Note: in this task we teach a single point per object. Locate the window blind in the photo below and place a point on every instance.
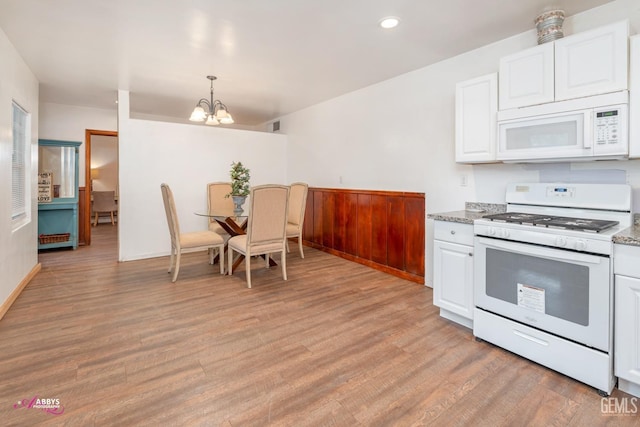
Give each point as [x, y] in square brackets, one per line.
[19, 163]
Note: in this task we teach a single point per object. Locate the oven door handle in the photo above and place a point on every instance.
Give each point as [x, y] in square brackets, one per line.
[556, 254]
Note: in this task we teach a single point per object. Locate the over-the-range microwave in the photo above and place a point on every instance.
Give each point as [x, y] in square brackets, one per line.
[591, 128]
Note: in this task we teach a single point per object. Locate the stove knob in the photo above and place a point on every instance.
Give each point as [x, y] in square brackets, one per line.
[505, 233]
[492, 231]
[581, 245]
[561, 241]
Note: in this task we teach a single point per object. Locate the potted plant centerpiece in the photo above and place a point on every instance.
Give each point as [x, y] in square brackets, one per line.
[239, 186]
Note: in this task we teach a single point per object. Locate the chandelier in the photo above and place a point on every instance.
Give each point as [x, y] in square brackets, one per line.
[214, 112]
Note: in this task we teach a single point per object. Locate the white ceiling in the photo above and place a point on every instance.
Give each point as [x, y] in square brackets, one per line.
[271, 57]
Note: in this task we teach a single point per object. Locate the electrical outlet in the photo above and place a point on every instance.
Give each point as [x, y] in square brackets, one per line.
[464, 180]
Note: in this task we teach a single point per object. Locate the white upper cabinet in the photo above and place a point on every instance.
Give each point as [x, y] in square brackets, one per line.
[526, 78]
[584, 64]
[634, 97]
[592, 62]
[476, 108]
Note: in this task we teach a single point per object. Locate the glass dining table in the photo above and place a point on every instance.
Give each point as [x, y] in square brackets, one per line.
[234, 226]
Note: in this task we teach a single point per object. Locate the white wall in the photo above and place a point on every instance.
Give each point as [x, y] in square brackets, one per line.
[186, 157]
[69, 122]
[399, 134]
[18, 248]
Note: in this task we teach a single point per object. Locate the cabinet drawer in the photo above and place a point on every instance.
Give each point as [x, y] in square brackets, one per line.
[453, 232]
[625, 260]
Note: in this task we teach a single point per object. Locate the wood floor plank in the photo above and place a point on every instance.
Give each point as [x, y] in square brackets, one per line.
[338, 344]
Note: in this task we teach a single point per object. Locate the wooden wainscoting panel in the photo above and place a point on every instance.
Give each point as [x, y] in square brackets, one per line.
[382, 229]
[379, 228]
[395, 232]
[414, 213]
[317, 218]
[351, 223]
[328, 218]
[307, 226]
[340, 224]
[363, 234]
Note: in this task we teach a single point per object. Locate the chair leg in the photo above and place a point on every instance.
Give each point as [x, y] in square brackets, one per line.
[300, 245]
[220, 258]
[112, 221]
[95, 221]
[287, 242]
[266, 258]
[175, 272]
[230, 258]
[283, 261]
[247, 265]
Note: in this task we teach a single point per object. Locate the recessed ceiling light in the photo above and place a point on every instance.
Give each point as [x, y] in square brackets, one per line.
[389, 22]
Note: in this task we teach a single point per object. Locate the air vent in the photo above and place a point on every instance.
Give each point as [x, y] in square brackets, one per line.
[275, 126]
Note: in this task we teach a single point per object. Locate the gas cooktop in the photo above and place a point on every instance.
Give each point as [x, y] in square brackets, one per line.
[561, 222]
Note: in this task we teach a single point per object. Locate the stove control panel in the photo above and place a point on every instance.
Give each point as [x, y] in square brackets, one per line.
[562, 192]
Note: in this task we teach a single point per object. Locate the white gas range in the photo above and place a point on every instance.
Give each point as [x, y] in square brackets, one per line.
[543, 279]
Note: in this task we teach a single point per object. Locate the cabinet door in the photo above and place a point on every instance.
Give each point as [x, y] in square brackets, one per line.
[592, 62]
[627, 328]
[526, 78]
[453, 277]
[634, 96]
[476, 108]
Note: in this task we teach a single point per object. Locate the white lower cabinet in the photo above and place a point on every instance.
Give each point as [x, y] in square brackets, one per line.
[453, 271]
[627, 318]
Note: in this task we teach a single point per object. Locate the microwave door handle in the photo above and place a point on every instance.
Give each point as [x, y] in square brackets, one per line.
[587, 130]
[542, 252]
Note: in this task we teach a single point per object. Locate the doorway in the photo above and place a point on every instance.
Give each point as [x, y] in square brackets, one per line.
[101, 171]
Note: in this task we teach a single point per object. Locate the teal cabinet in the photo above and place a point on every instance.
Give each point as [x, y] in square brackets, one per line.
[58, 204]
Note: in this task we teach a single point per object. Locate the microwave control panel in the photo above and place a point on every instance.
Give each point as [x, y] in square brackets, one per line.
[607, 126]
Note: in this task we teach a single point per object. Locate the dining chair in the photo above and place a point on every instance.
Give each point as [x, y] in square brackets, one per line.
[266, 228]
[295, 218]
[219, 204]
[196, 240]
[104, 202]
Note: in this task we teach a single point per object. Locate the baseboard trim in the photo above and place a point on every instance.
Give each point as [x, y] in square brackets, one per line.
[18, 290]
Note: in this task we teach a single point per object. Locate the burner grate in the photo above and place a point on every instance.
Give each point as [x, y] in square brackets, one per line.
[562, 222]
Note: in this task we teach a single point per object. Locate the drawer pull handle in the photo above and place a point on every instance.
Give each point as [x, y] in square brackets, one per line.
[453, 231]
[470, 253]
[530, 338]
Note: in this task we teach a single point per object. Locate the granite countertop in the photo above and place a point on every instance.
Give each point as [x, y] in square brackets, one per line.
[472, 212]
[465, 217]
[629, 236]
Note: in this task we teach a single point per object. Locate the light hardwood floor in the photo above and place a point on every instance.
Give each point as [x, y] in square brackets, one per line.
[338, 344]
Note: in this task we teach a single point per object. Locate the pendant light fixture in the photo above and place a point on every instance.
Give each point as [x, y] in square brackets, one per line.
[211, 112]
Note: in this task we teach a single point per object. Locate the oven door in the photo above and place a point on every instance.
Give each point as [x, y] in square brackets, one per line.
[562, 292]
